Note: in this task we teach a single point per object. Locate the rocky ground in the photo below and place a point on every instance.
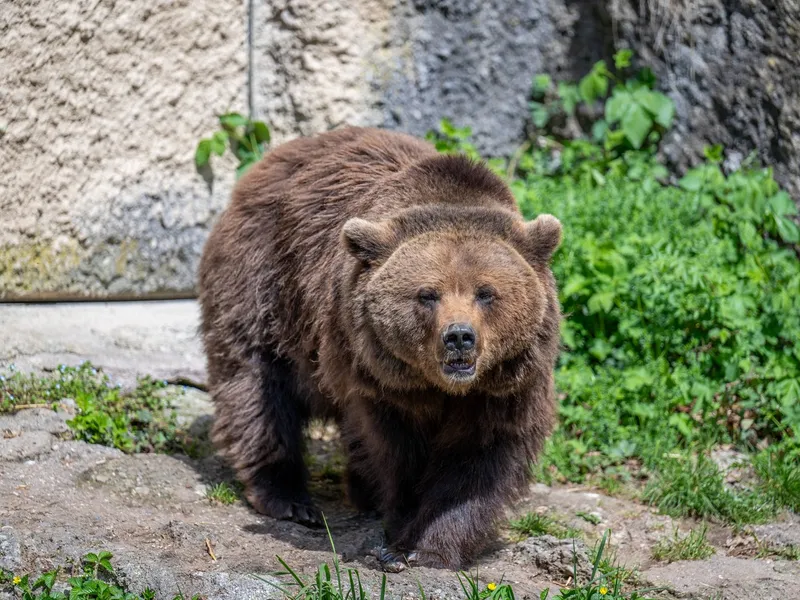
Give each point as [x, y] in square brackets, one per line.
[60, 499]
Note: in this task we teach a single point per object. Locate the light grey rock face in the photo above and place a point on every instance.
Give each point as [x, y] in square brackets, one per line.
[406, 64]
[102, 104]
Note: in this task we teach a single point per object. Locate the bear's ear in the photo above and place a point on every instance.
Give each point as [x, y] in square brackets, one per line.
[542, 238]
[368, 241]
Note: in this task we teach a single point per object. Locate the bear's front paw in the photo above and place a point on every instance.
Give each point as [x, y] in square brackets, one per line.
[304, 513]
[394, 561]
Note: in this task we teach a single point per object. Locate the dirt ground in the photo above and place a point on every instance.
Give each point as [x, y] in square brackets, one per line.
[60, 499]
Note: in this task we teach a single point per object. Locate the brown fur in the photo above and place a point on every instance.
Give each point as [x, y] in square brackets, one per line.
[309, 290]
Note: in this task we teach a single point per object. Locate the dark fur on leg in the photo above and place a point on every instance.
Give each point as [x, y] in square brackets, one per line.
[259, 427]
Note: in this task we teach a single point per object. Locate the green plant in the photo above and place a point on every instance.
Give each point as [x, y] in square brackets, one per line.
[222, 493]
[692, 546]
[323, 586]
[606, 582]
[135, 420]
[533, 524]
[246, 138]
[682, 303]
[614, 123]
[449, 139]
[588, 517]
[474, 591]
[87, 586]
[778, 471]
[687, 485]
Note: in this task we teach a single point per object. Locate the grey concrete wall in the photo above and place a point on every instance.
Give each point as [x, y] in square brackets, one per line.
[102, 104]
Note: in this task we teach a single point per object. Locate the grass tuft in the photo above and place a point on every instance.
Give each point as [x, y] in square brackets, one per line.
[693, 546]
[223, 493]
[534, 524]
[693, 486]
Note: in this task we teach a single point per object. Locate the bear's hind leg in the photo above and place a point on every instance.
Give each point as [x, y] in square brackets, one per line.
[259, 426]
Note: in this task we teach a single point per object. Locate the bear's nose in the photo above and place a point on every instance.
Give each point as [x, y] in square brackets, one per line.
[459, 336]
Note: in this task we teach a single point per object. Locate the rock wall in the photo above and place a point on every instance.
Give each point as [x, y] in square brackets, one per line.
[101, 105]
[733, 69]
[405, 64]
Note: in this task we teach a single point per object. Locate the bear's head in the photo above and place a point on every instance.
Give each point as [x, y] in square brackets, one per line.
[456, 297]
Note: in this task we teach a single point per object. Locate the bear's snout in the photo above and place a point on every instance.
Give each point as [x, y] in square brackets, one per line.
[459, 337]
[459, 341]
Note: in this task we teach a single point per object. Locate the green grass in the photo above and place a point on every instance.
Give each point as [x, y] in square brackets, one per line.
[607, 581]
[533, 524]
[140, 419]
[692, 486]
[682, 302]
[693, 546]
[222, 493]
[790, 552]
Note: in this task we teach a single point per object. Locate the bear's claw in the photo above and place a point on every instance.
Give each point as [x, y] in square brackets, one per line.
[394, 561]
[286, 510]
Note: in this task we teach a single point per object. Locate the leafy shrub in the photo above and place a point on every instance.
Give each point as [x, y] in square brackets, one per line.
[603, 125]
[97, 581]
[682, 303]
[246, 138]
[135, 420]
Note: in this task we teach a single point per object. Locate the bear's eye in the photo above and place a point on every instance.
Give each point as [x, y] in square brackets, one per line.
[485, 295]
[427, 297]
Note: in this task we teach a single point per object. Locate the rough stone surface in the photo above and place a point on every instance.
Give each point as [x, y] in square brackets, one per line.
[124, 338]
[101, 106]
[60, 498]
[405, 64]
[731, 67]
[731, 578]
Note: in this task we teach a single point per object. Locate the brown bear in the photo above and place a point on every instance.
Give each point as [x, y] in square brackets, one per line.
[361, 275]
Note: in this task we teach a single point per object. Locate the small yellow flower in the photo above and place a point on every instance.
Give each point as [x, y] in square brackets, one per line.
[491, 587]
[603, 591]
[17, 580]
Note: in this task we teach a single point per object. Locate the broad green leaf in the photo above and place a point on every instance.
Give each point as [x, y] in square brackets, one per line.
[788, 230]
[622, 58]
[218, 141]
[619, 104]
[601, 302]
[636, 124]
[713, 153]
[541, 84]
[595, 84]
[574, 284]
[782, 204]
[202, 153]
[599, 130]
[232, 120]
[660, 107]
[570, 96]
[261, 132]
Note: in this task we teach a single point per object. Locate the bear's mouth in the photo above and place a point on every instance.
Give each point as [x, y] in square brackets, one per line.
[459, 368]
